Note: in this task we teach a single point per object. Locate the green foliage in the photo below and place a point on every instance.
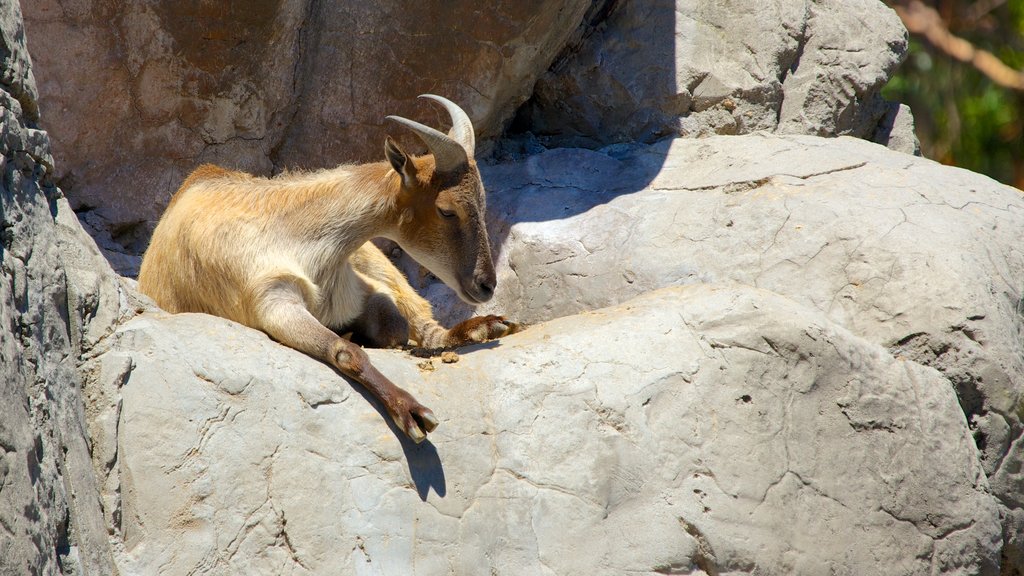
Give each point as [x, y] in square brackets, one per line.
[962, 117]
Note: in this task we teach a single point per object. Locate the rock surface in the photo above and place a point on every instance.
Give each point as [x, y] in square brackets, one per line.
[692, 430]
[661, 67]
[836, 387]
[52, 308]
[919, 258]
[145, 91]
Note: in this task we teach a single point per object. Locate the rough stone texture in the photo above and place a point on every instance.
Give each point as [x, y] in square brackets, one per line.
[50, 516]
[664, 67]
[896, 130]
[146, 90]
[811, 421]
[920, 258]
[697, 430]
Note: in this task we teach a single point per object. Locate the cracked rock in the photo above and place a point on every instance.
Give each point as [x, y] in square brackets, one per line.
[608, 442]
[920, 258]
[58, 298]
[143, 92]
[663, 68]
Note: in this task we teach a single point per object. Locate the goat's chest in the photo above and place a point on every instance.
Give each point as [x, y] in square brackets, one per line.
[342, 296]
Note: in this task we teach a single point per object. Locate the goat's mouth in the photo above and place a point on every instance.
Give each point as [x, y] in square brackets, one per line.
[473, 293]
[470, 298]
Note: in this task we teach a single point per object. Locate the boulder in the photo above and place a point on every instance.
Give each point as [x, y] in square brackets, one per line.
[661, 67]
[700, 429]
[919, 258]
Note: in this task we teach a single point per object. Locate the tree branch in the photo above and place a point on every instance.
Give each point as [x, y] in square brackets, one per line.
[925, 21]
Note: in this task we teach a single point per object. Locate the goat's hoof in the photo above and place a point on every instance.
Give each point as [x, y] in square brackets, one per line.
[482, 329]
[418, 422]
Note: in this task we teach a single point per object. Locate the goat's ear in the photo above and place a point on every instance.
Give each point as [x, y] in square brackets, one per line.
[400, 161]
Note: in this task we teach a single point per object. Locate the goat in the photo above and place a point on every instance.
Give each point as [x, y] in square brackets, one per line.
[290, 256]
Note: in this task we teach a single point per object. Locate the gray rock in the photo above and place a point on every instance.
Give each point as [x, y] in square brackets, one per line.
[662, 67]
[695, 429]
[917, 257]
[50, 515]
[789, 426]
[848, 51]
[896, 130]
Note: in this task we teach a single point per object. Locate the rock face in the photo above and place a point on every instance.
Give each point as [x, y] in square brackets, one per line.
[769, 353]
[52, 308]
[692, 430]
[919, 258]
[145, 91]
[661, 67]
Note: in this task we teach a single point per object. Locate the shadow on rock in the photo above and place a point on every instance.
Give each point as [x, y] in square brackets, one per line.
[424, 462]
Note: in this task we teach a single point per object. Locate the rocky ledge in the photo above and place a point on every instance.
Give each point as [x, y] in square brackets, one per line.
[769, 353]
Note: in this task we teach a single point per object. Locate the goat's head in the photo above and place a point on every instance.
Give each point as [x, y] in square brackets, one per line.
[441, 206]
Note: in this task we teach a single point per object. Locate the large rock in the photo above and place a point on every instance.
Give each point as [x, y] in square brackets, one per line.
[666, 67]
[920, 258]
[50, 515]
[790, 427]
[692, 430]
[145, 91]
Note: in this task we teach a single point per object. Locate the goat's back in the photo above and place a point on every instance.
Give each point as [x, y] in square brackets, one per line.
[201, 248]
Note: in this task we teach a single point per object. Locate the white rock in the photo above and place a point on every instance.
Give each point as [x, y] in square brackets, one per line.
[694, 428]
[665, 67]
[915, 256]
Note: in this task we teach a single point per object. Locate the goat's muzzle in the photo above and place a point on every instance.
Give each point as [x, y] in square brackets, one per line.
[481, 288]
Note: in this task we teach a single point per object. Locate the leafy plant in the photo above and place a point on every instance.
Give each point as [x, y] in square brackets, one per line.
[963, 115]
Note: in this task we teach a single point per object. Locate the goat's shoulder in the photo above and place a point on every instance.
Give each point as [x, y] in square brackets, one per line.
[206, 173]
[211, 172]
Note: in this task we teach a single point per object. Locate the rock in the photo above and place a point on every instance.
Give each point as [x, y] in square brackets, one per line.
[896, 130]
[848, 51]
[145, 91]
[701, 429]
[842, 390]
[660, 67]
[919, 258]
[50, 516]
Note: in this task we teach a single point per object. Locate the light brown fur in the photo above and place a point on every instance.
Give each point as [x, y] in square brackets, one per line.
[290, 256]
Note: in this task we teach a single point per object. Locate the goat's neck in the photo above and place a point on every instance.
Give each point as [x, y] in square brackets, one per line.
[344, 208]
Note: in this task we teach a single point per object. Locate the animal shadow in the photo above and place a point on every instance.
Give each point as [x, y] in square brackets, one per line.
[423, 460]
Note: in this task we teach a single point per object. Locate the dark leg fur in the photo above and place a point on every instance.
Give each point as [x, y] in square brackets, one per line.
[381, 325]
[481, 329]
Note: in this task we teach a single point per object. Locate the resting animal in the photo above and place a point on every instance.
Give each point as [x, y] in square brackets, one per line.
[290, 256]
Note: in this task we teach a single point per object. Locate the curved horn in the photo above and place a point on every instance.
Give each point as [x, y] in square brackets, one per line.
[449, 155]
[462, 128]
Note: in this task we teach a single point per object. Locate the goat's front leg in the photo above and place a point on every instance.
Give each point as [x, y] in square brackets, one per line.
[480, 329]
[382, 325]
[281, 312]
[428, 333]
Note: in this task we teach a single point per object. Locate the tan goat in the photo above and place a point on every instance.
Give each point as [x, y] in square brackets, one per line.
[289, 255]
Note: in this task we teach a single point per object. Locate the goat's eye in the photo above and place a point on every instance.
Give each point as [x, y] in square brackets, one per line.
[446, 213]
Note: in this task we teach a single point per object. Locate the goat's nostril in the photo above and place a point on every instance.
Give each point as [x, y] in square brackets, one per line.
[486, 288]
